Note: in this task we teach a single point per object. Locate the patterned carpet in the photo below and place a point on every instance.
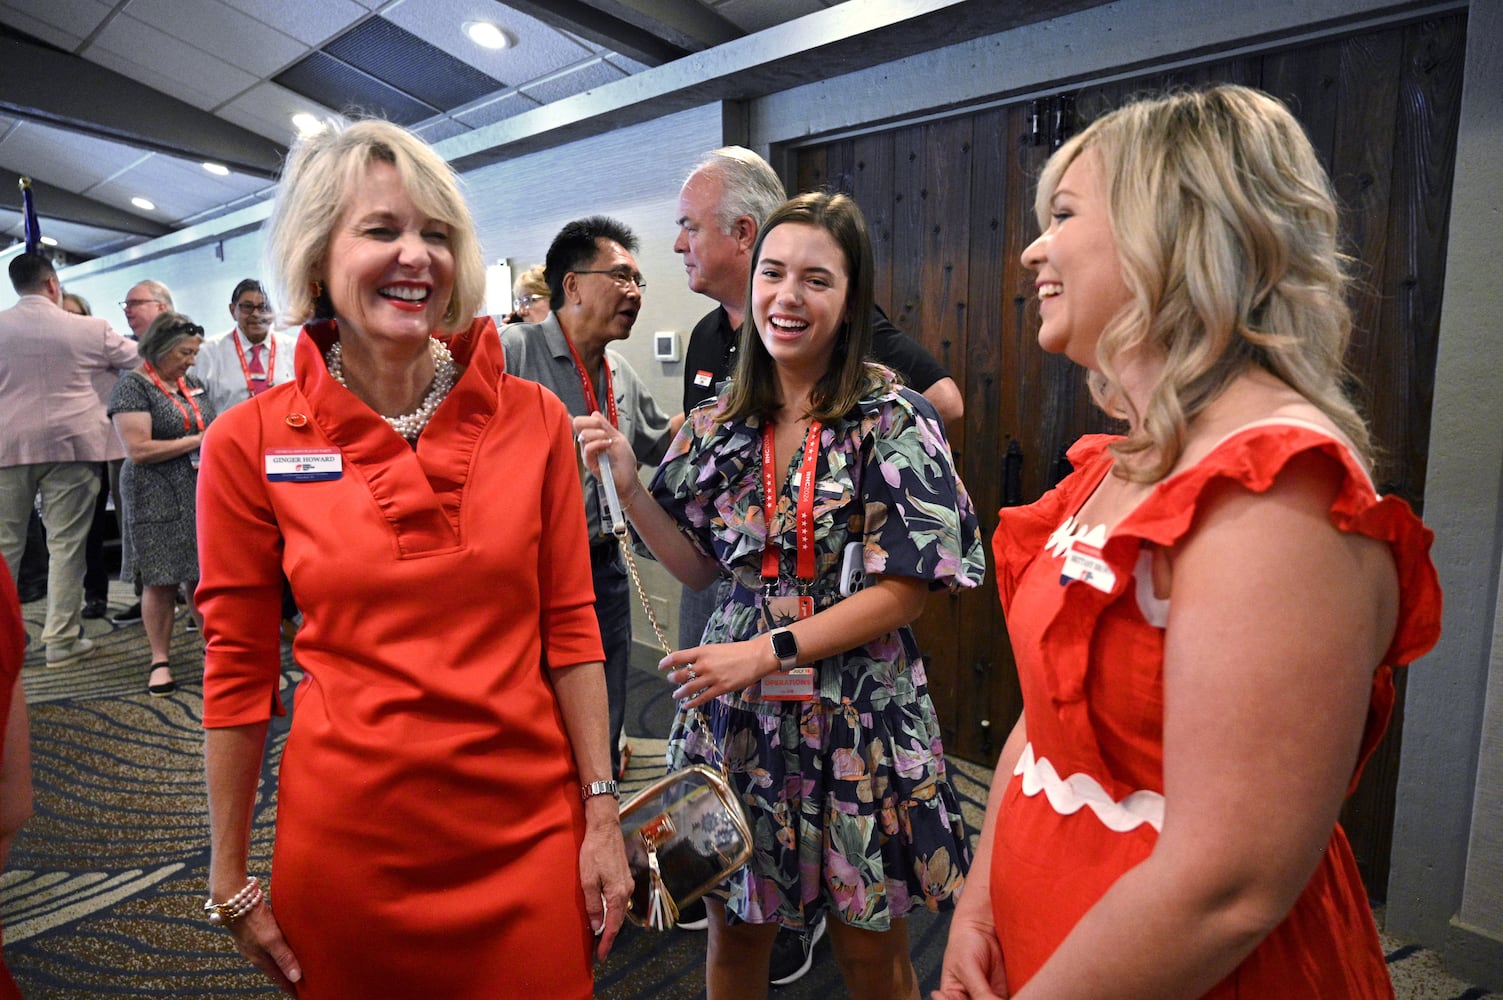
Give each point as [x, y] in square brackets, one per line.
[104, 887]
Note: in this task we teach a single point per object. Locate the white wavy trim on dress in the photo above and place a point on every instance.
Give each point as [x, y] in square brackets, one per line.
[1067, 796]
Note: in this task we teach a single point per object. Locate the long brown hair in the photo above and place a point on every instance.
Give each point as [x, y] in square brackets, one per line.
[754, 386]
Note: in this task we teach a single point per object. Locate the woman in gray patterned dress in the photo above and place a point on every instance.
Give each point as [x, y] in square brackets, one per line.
[160, 413]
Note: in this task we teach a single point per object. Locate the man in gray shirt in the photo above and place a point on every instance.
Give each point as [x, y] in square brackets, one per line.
[595, 290]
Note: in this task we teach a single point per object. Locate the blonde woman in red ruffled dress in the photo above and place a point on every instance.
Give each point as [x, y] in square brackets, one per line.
[1207, 612]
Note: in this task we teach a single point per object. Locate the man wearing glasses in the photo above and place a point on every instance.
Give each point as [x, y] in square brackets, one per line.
[250, 357]
[595, 290]
[145, 301]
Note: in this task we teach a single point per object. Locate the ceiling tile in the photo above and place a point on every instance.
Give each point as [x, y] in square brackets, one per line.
[140, 51]
[409, 64]
[64, 23]
[267, 109]
[324, 79]
[501, 108]
[68, 160]
[539, 48]
[234, 38]
[594, 73]
[312, 24]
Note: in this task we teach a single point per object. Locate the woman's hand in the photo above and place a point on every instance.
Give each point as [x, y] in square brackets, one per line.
[972, 968]
[596, 435]
[603, 873]
[259, 938]
[704, 673]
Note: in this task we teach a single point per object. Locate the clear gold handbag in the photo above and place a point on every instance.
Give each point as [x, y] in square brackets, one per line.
[686, 832]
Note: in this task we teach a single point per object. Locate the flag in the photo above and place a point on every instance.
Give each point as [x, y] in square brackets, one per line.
[29, 218]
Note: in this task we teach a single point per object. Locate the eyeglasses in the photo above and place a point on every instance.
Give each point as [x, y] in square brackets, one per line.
[251, 308]
[622, 276]
[527, 300]
[138, 303]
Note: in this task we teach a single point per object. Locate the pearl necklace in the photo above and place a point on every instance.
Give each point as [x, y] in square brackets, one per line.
[408, 425]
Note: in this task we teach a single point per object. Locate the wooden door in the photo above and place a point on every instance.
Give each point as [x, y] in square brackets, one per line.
[949, 204]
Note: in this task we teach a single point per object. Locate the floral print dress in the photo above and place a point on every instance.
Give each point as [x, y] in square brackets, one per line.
[848, 798]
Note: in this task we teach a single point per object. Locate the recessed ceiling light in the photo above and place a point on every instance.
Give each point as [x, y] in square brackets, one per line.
[49, 241]
[307, 124]
[217, 169]
[486, 34]
[143, 204]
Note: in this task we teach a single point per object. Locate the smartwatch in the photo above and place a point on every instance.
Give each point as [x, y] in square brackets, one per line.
[785, 648]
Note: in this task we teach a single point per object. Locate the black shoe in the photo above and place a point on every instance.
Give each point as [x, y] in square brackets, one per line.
[95, 607]
[163, 689]
[190, 624]
[129, 616]
[694, 917]
[793, 954]
[26, 594]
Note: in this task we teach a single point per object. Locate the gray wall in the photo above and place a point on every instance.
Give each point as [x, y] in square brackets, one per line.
[1446, 889]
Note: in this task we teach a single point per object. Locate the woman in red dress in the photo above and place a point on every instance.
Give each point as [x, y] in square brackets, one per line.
[445, 822]
[1206, 613]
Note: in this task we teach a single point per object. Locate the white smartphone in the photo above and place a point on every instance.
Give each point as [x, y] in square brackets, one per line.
[612, 499]
[852, 568]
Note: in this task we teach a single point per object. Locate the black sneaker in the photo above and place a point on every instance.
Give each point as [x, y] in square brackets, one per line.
[95, 607]
[129, 616]
[793, 953]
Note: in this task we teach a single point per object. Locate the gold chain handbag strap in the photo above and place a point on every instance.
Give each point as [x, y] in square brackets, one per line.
[623, 538]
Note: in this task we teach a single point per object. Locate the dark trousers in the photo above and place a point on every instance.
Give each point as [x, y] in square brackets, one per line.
[613, 614]
[31, 575]
[96, 581]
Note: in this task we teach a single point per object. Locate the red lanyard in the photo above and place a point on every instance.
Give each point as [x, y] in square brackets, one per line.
[804, 510]
[268, 369]
[183, 388]
[589, 390]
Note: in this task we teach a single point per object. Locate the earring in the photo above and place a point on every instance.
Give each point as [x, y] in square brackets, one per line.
[317, 288]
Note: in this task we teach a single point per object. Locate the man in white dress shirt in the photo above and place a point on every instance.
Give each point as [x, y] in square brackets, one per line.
[248, 359]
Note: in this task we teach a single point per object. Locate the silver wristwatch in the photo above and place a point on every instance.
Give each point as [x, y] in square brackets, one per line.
[595, 788]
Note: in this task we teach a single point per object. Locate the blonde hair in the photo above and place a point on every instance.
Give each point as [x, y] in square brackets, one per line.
[530, 282]
[321, 172]
[1226, 229]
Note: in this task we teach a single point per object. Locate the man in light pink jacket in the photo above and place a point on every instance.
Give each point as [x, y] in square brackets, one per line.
[56, 433]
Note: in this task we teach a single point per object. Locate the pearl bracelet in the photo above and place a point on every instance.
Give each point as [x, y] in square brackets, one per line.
[237, 906]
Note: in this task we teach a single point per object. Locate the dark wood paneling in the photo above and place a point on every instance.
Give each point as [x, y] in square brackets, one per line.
[950, 204]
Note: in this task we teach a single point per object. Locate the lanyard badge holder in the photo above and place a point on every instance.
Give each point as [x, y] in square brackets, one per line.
[790, 683]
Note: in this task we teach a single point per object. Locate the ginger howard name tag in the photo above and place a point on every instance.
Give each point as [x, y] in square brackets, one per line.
[1083, 562]
[303, 465]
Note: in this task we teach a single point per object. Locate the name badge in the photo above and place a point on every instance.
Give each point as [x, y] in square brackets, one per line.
[1083, 562]
[703, 378]
[303, 465]
[796, 685]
